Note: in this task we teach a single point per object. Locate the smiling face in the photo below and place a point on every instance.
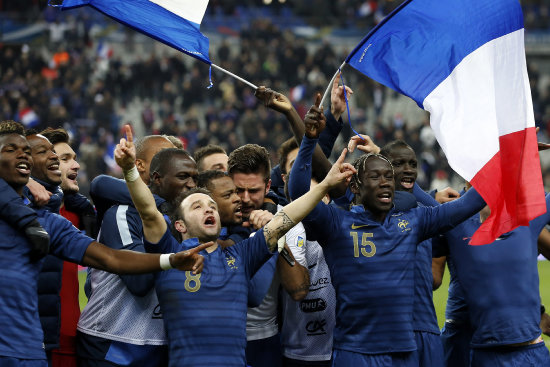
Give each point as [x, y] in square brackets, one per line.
[200, 218]
[377, 187]
[224, 192]
[46, 162]
[69, 167]
[405, 167]
[15, 161]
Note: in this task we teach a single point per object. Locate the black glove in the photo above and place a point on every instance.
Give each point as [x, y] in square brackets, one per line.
[40, 240]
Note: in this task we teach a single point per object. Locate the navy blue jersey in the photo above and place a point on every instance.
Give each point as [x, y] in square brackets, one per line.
[21, 334]
[424, 316]
[205, 314]
[500, 281]
[372, 263]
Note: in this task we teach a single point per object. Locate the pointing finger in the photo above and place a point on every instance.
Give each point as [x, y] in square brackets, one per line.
[129, 135]
[317, 99]
[342, 156]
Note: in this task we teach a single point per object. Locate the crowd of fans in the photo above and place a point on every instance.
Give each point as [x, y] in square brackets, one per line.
[72, 78]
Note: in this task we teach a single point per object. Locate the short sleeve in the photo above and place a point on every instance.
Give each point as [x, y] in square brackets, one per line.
[296, 241]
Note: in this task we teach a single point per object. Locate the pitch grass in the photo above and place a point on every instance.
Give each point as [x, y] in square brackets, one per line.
[440, 296]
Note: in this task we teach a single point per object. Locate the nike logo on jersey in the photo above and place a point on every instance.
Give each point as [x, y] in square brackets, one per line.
[354, 226]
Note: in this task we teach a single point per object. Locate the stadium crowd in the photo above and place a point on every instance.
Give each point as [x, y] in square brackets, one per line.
[232, 240]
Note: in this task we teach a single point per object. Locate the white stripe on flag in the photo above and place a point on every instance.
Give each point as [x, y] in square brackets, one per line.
[486, 96]
[192, 10]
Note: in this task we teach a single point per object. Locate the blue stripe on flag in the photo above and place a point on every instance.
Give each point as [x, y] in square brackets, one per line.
[155, 21]
[419, 44]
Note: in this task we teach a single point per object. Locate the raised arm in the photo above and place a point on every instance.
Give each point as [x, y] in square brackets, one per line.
[334, 121]
[154, 225]
[294, 212]
[281, 103]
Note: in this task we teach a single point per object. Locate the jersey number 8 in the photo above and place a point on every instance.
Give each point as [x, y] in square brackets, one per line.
[192, 282]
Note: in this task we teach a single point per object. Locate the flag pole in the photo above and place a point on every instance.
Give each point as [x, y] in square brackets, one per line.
[234, 76]
[329, 88]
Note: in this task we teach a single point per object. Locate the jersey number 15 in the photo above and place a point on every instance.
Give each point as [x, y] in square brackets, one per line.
[367, 249]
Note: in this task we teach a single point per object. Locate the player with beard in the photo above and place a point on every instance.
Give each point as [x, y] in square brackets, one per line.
[206, 314]
[78, 209]
[21, 340]
[122, 325]
[370, 251]
[249, 167]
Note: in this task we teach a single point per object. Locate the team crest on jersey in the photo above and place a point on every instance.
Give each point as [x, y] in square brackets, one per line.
[300, 241]
[231, 262]
[403, 225]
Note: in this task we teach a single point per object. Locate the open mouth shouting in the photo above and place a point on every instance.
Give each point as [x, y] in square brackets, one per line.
[385, 197]
[407, 183]
[210, 221]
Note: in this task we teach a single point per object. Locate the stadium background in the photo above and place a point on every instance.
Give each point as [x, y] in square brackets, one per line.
[80, 70]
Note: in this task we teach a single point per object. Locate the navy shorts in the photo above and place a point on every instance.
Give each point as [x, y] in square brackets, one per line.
[429, 349]
[535, 355]
[456, 340]
[344, 358]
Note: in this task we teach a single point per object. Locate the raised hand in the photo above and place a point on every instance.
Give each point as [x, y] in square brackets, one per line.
[340, 172]
[190, 260]
[258, 219]
[275, 101]
[446, 195]
[337, 98]
[315, 120]
[364, 143]
[125, 151]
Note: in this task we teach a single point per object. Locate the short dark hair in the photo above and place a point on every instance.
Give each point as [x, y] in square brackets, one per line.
[204, 152]
[250, 158]
[11, 127]
[56, 136]
[205, 178]
[175, 213]
[388, 148]
[283, 151]
[163, 159]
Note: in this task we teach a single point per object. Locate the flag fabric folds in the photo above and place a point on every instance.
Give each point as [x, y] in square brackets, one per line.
[464, 62]
[172, 22]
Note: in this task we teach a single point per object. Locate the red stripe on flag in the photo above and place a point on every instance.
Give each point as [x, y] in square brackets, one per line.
[511, 184]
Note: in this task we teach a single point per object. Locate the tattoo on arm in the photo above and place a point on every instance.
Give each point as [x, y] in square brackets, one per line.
[276, 228]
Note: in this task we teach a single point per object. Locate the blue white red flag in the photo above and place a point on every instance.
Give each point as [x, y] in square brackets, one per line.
[172, 22]
[464, 62]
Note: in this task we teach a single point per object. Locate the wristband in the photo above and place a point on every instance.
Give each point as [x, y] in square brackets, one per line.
[165, 261]
[131, 175]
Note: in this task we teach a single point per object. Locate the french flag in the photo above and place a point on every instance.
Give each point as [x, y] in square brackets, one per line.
[175, 23]
[464, 62]
[104, 50]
